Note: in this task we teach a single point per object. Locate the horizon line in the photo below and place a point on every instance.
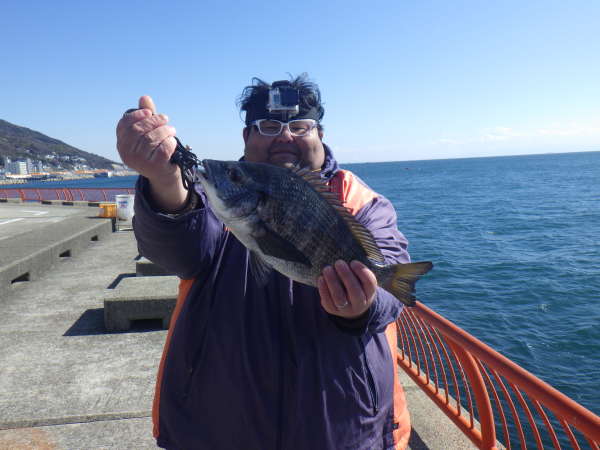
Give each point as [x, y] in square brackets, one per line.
[471, 157]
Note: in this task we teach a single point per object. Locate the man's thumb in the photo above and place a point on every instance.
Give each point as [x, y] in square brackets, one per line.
[147, 103]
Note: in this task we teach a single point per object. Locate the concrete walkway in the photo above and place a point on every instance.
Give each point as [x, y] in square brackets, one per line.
[65, 383]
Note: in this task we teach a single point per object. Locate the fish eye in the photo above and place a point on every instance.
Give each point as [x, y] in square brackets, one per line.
[234, 175]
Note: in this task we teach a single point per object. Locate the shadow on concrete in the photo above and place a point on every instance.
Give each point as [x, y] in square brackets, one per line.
[91, 322]
[415, 442]
[117, 280]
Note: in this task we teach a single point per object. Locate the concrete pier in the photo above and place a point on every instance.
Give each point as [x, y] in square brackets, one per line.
[140, 298]
[68, 383]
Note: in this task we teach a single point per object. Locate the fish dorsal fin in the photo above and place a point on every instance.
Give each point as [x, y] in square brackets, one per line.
[359, 231]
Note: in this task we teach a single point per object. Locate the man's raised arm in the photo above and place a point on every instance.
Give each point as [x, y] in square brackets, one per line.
[145, 143]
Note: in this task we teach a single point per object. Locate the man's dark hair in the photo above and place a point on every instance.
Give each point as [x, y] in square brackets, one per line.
[254, 98]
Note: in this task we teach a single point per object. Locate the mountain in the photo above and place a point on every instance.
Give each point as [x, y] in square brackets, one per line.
[20, 143]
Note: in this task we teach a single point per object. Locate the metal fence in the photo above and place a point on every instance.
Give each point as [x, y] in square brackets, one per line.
[66, 194]
[494, 401]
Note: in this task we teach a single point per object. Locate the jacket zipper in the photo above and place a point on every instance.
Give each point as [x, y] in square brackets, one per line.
[370, 380]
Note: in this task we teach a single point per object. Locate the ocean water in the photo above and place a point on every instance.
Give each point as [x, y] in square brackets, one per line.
[516, 246]
[113, 182]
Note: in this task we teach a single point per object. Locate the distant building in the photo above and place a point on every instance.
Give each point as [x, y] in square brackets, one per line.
[17, 168]
[36, 167]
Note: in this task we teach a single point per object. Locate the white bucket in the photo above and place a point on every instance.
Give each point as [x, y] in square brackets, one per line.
[125, 206]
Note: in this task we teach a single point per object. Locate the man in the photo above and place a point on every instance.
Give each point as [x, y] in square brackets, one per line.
[281, 366]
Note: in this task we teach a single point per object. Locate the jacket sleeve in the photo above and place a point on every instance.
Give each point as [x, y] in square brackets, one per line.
[185, 244]
[379, 217]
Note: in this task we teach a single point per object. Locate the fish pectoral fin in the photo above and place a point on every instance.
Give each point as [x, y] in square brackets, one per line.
[274, 245]
[260, 269]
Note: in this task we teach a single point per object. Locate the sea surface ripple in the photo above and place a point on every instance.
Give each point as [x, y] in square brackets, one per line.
[516, 247]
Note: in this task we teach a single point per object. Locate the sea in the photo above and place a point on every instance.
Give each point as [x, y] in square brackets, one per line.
[515, 243]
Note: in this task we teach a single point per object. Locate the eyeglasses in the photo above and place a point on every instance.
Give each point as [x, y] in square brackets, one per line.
[270, 127]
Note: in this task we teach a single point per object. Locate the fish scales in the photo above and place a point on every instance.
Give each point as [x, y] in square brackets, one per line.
[290, 222]
[302, 216]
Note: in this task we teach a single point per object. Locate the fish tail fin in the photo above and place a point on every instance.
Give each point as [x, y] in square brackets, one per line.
[400, 279]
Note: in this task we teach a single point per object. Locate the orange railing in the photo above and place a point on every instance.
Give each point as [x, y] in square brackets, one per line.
[486, 395]
[66, 194]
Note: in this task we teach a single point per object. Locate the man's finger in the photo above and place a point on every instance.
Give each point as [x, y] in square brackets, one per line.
[367, 278]
[162, 153]
[326, 301]
[130, 118]
[336, 289]
[351, 284]
[147, 143]
[338, 294]
[147, 103]
[150, 123]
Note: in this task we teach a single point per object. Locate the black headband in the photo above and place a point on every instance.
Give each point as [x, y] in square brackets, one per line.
[256, 112]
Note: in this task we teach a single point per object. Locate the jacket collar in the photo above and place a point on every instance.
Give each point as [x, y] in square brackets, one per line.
[330, 166]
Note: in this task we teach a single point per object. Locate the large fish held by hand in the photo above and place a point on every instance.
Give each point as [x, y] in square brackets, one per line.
[291, 222]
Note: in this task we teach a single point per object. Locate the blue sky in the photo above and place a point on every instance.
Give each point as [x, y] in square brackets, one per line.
[401, 80]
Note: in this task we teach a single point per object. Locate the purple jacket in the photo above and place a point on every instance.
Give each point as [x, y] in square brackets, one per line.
[261, 368]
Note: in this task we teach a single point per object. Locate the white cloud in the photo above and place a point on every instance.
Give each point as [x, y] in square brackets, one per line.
[591, 128]
[565, 136]
[575, 130]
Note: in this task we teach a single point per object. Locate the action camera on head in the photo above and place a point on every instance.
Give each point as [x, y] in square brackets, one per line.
[284, 100]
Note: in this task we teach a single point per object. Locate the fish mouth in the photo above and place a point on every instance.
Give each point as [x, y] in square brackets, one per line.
[203, 170]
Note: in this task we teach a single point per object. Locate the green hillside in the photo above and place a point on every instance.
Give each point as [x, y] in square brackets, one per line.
[19, 143]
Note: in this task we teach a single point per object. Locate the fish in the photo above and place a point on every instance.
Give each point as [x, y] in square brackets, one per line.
[291, 222]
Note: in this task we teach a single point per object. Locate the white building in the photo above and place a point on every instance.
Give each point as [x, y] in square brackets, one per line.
[34, 166]
[17, 168]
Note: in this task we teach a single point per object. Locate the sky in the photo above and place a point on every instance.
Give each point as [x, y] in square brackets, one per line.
[401, 80]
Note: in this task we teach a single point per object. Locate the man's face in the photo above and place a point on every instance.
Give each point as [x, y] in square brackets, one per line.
[285, 150]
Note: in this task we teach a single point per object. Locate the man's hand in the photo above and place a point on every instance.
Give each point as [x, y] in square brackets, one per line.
[347, 290]
[145, 143]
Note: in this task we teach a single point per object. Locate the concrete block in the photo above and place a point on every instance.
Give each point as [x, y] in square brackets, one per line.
[28, 255]
[140, 298]
[11, 200]
[145, 268]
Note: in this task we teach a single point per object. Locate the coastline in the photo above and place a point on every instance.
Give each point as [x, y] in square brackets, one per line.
[20, 181]
[62, 178]
[121, 181]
